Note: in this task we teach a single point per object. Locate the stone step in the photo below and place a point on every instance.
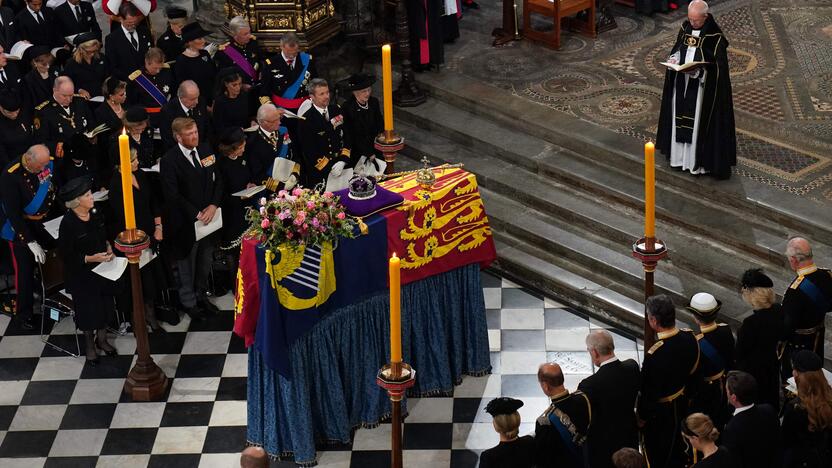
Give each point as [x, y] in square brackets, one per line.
[618, 152]
[724, 225]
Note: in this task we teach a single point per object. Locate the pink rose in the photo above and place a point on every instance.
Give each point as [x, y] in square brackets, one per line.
[289, 235]
[327, 194]
[305, 226]
[265, 223]
[315, 222]
[282, 194]
[297, 192]
[310, 205]
[341, 215]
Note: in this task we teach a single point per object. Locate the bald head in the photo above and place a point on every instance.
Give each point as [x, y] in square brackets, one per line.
[62, 90]
[697, 13]
[799, 253]
[550, 377]
[188, 94]
[600, 345]
[36, 158]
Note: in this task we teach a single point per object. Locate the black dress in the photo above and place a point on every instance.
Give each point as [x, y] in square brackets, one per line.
[361, 127]
[756, 351]
[719, 459]
[38, 89]
[200, 69]
[92, 295]
[235, 174]
[518, 453]
[801, 447]
[87, 76]
[235, 112]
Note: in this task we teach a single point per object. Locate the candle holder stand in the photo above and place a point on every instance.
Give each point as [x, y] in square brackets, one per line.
[389, 143]
[649, 250]
[145, 381]
[396, 378]
[409, 94]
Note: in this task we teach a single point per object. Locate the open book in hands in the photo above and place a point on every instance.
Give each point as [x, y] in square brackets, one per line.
[686, 67]
[99, 129]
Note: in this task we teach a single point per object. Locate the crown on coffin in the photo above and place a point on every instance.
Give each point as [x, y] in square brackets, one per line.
[362, 187]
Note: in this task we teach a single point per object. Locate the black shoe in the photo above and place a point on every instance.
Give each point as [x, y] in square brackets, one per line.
[109, 352]
[93, 362]
[208, 308]
[168, 314]
[195, 313]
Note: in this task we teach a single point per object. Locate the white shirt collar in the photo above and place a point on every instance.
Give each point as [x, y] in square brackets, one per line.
[286, 59]
[612, 359]
[34, 15]
[183, 107]
[187, 153]
[742, 408]
[127, 33]
[266, 132]
[321, 110]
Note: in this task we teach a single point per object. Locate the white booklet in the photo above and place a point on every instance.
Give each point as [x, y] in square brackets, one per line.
[113, 269]
[147, 256]
[203, 230]
[153, 168]
[249, 192]
[684, 67]
[792, 385]
[53, 226]
[101, 195]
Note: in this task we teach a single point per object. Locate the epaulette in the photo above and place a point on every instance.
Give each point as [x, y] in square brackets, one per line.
[253, 37]
[42, 105]
[699, 336]
[166, 64]
[13, 167]
[268, 61]
[134, 75]
[655, 347]
[223, 46]
[796, 283]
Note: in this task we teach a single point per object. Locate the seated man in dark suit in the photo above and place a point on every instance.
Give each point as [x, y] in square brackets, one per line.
[752, 434]
[186, 104]
[321, 137]
[612, 391]
[36, 24]
[126, 44]
[7, 34]
[10, 79]
[192, 189]
[75, 17]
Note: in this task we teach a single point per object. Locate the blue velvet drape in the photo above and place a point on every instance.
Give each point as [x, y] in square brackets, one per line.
[332, 389]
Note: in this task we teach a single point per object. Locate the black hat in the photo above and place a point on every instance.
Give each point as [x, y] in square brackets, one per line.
[193, 31]
[503, 405]
[10, 101]
[110, 85]
[360, 81]
[231, 136]
[806, 361]
[35, 52]
[175, 12]
[135, 114]
[75, 188]
[84, 37]
[79, 147]
[755, 278]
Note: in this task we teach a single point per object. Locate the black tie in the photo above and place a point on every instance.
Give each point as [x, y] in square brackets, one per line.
[190, 113]
[326, 115]
[78, 13]
[195, 159]
[39, 18]
[133, 40]
[2, 75]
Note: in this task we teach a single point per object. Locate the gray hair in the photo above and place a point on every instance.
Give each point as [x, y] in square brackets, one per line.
[264, 110]
[799, 248]
[289, 38]
[699, 5]
[185, 86]
[62, 80]
[601, 341]
[316, 83]
[74, 203]
[34, 151]
[237, 24]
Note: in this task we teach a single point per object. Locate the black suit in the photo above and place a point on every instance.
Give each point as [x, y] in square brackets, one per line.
[172, 110]
[13, 82]
[612, 391]
[322, 144]
[43, 34]
[68, 25]
[122, 58]
[7, 33]
[753, 437]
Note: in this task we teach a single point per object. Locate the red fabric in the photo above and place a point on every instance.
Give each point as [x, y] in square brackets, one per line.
[247, 293]
[424, 45]
[290, 104]
[14, 263]
[438, 230]
[106, 8]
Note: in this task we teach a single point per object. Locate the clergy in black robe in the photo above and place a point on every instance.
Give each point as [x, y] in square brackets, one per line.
[427, 38]
[560, 432]
[759, 335]
[696, 123]
[363, 122]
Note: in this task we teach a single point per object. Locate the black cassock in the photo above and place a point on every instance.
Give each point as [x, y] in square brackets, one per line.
[716, 142]
[427, 36]
[648, 7]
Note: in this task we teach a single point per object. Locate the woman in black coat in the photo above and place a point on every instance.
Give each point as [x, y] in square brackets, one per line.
[195, 63]
[39, 81]
[512, 451]
[83, 244]
[86, 67]
[232, 105]
[699, 431]
[137, 125]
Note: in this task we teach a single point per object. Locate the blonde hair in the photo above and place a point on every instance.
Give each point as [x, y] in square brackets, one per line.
[180, 124]
[76, 55]
[759, 298]
[701, 426]
[508, 424]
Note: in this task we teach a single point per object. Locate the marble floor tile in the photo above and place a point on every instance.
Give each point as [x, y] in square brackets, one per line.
[564, 319]
[522, 319]
[571, 362]
[333, 459]
[132, 415]
[377, 438]
[11, 392]
[97, 391]
[124, 461]
[493, 298]
[21, 346]
[570, 339]
[474, 436]
[206, 343]
[487, 386]
[229, 413]
[494, 343]
[236, 365]
[219, 460]
[194, 389]
[180, 440]
[430, 410]
[433, 458]
[515, 298]
[23, 462]
[59, 368]
[78, 443]
[522, 340]
[38, 418]
[521, 362]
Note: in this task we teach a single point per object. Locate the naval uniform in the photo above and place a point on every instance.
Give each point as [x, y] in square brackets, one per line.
[805, 305]
[716, 359]
[560, 432]
[756, 351]
[321, 143]
[669, 373]
[55, 125]
[171, 45]
[26, 201]
[230, 54]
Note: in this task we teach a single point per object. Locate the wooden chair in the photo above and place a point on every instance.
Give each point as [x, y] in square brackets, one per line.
[558, 10]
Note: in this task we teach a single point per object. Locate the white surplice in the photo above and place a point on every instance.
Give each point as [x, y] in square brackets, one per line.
[684, 154]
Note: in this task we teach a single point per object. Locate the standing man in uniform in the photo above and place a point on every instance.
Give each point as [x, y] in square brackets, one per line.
[58, 119]
[322, 137]
[171, 41]
[669, 373]
[612, 391]
[716, 358]
[27, 195]
[805, 303]
[285, 76]
[267, 146]
[242, 52]
[560, 432]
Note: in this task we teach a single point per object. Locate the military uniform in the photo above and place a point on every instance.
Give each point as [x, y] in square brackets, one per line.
[322, 143]
[262, 149]
[226, 54]
[716, 352]
[16, 136]
[162, 81]
[26, 200]
[55, 125]
[171, 44]
[278, 76]
[805, 305]
[560, 432]
[670, 372]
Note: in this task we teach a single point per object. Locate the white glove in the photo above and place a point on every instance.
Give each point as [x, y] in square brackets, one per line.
[37, 251]
[290, 182]
[337, 168]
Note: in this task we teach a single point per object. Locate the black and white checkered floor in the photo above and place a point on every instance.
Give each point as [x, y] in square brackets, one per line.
[57, 412]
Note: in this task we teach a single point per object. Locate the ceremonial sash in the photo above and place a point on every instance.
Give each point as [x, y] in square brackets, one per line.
[284, 148]
[820, 301]
[711, 353]
[287, 100]
[240, 61]
[566, 435]
[149, 87]
[34, 205]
